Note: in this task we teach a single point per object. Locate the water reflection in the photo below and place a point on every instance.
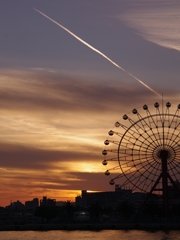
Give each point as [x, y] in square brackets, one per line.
[95, 235]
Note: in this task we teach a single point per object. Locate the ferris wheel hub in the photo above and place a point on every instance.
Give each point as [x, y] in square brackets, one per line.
[164, 154]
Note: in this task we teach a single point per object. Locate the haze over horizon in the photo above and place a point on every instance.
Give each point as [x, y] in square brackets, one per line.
[59, 98]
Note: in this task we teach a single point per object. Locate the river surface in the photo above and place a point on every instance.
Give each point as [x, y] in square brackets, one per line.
[87, 235]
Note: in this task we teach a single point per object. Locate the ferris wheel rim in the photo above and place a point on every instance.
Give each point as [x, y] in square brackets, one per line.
[169, 146]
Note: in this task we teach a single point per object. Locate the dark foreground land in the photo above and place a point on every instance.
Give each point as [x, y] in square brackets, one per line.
[91, 226]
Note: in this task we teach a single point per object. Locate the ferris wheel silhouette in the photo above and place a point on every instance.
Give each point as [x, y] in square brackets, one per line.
[146, 151]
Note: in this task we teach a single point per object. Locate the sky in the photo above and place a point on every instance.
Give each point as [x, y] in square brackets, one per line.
[59, 98]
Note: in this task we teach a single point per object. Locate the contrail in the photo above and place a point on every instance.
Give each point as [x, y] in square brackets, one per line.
[96, 50]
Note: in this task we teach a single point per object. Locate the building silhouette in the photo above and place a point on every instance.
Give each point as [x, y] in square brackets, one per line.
[110, 198]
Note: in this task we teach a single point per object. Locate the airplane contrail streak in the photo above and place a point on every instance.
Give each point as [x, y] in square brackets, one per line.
[96, 50]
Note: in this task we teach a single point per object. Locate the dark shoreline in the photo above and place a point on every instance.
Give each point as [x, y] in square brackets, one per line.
[91, 226]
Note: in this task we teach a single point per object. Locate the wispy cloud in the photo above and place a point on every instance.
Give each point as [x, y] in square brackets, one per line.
[53, 127]
[157, 22]
[99, 52]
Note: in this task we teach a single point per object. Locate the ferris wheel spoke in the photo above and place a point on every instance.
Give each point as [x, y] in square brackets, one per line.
[176, 161]
[173, 173]
[174, 122]
[136, 135]
[119, 176]
[160, 136]
[139, 181]
[171, 139]
[137, 162]
[112, 159]
[174, 143]
[137, 171]
[168, 136]
[144, 183]
[178, 156]
[126, 183]
[143, 138]
[135, 143]
[114, 168]
[147, 167]
[126, 170]
[150, 119]
[173, 166]
[176, 149]
[156, 169]
[134, 152]
[155, 137]
[146, 125]
[154, 124]
[107, 142]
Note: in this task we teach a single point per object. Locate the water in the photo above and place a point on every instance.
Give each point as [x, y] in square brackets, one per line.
[86, 235]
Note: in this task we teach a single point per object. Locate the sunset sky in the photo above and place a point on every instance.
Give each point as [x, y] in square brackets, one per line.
[59, 98]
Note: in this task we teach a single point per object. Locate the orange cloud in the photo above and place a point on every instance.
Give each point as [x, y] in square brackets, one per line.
[53, 126]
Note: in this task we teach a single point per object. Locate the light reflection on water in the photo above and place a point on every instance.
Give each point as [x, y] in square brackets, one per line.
[95, 235]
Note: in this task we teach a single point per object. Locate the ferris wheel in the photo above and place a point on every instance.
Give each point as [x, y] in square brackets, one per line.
[143, 152]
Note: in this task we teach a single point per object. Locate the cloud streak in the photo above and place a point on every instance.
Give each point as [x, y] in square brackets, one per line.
[53, 126]
[159, 24]
[37, 92]
[96, 50]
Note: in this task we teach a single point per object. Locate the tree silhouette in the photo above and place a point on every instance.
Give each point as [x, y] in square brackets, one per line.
[95, 210]
[107, 212]
[69, 208]
[176, 210]
[46, 212]
[152, 210]
[125, 210]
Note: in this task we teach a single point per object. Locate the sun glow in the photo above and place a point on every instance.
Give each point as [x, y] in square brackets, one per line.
[88, 167]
